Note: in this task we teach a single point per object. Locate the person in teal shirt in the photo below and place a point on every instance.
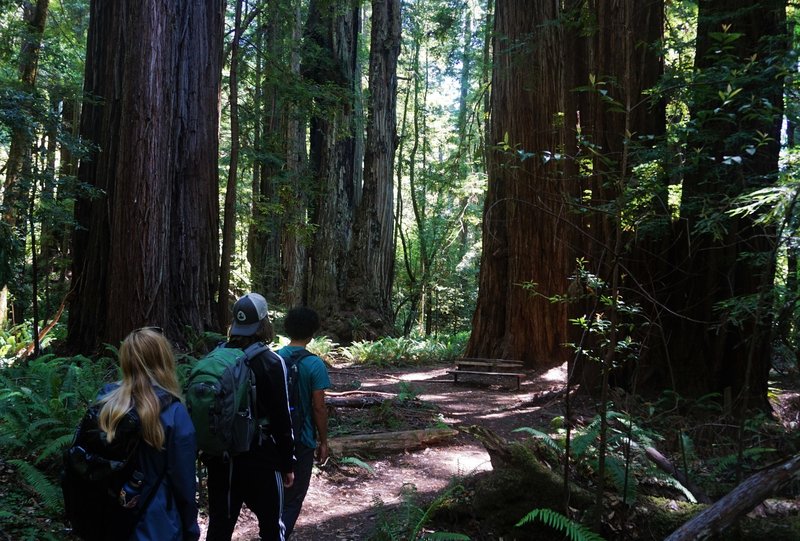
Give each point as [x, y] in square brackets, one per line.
[311, 436]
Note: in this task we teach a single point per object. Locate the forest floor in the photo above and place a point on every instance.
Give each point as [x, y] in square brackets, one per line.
[348, 503]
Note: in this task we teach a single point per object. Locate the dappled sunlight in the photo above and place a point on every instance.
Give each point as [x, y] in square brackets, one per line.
[559, 373]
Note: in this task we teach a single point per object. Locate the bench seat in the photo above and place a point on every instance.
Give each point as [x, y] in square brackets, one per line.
[516, 375]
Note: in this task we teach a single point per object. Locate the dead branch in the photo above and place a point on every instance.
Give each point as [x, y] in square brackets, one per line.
[746, 496]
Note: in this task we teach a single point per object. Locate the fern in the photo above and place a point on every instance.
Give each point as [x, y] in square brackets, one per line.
[546, 439]
[573, 530]
[49, 493]
[353, 461]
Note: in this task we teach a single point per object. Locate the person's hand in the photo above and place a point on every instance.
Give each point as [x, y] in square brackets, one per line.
[322, 452]
[288, 479]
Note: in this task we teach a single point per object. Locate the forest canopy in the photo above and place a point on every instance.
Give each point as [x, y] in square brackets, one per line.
[583, 181]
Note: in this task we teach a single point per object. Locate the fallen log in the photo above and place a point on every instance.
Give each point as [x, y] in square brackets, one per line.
[662, 462]
[746, 496]
[384, 443]
[355, 401]
[360, 393]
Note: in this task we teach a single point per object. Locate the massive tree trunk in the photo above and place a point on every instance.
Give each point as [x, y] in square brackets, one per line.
[617, 63]
[146, 251]
[527, 235]
[372, 263]
[736, 110]
[332, 31]
[15, 188]
[275, 241]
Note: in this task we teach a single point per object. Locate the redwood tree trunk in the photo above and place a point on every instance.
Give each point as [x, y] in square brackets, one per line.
[372, 262]
[147, 249]
[620, 62]
[527, 236]
[332, 28]
[709, 348]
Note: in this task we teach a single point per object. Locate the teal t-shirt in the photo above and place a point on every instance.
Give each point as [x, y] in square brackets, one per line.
[312, 376]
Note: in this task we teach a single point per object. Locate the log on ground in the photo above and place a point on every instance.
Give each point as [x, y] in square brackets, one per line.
[384, 443]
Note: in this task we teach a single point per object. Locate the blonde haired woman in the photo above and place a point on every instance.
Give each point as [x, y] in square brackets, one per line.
[150, 386]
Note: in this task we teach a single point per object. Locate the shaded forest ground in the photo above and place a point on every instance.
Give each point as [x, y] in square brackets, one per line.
[347, 502]
[342, 503]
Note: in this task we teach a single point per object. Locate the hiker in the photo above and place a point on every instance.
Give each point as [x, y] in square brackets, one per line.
[256, 477]
[162, 439]
[307, 395]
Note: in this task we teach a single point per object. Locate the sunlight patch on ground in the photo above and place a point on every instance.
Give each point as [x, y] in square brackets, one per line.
[559, 373]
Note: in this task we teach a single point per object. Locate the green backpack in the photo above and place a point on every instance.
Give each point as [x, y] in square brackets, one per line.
[221, 398]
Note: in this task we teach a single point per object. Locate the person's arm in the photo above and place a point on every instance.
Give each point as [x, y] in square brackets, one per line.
[181, 454]
[319, 413]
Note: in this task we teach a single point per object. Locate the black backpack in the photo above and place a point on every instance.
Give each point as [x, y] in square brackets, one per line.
[102, 481]
[292, 375]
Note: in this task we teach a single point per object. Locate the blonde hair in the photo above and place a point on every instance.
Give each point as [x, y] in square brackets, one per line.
[146, 360]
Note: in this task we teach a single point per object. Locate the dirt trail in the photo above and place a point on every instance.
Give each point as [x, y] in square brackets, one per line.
[343, 508]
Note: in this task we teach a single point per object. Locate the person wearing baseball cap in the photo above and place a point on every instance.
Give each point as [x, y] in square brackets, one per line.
[255, 478]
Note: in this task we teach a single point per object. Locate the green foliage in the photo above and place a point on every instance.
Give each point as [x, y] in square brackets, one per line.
[41, 403]
[49, 492]
[407, 521]
[407, 351]
[353, 461]
[557, 521]
[625, 443]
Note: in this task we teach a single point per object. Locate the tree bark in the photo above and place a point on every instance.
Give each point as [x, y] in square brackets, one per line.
[527, 234]
[372, 262]
[716, 518]
[146, 249]
[390, 442]
[724, 259]
[229, 218]
[332, 28]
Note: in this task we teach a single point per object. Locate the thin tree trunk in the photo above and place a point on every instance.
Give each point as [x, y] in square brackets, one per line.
[229, 220]
[15, 187]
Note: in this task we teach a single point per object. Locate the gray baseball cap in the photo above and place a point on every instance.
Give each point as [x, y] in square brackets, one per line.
[248, 312]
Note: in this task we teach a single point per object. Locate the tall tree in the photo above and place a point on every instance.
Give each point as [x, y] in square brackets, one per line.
[613, 122]
[526, 230]
[17, 183]
[229, 216]
[332, 32]
[146, 251]
[721, 341]
[372, 263]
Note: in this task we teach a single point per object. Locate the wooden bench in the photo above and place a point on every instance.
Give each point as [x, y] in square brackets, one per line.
[492, 369]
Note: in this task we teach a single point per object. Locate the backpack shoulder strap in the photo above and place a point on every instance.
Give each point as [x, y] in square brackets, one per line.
[298, 355]
[254, 350]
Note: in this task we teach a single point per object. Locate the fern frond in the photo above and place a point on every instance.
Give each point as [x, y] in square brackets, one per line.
[616, 470]
[353, 461]
[573, 530]
[543, 437]
[47, 491]
[55, 447]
